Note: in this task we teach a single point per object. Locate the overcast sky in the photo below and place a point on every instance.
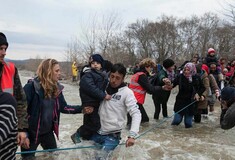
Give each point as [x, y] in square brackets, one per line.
[45, 27]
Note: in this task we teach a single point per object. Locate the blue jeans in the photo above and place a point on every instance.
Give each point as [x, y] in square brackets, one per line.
[188, 120]
[107, 142]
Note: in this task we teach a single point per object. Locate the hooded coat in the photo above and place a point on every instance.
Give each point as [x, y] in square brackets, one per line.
[44, 113]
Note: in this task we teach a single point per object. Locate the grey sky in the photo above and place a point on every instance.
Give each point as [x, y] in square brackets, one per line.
[44, 27]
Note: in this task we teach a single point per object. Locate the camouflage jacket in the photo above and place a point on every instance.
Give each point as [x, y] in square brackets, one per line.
[20, 97]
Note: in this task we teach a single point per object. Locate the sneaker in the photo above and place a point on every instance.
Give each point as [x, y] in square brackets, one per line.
[75, 138]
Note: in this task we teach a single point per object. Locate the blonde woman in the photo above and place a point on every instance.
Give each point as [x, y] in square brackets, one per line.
[45, 102]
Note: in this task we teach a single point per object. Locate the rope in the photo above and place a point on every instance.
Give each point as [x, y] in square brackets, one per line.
[164, 120]
[62, 149]
[98, 145]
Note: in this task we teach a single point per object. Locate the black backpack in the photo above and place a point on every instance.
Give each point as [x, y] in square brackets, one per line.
[153, 79]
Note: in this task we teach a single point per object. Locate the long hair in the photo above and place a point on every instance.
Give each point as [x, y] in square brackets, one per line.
[45, 75]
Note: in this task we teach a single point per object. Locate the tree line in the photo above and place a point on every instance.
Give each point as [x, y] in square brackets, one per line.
[166, 37]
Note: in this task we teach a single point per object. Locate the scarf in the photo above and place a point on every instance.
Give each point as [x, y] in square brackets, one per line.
[110, 90]
[192, 68]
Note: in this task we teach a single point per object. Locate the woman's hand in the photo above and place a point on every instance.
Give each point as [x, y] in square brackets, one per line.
[88, 110]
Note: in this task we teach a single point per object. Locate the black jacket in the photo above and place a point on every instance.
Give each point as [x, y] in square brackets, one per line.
[187, 92]
[44, 114]
[92, 87]
[228, 117]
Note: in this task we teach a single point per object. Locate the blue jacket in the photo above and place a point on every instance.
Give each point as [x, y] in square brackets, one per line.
[92, 87]
[44, 113]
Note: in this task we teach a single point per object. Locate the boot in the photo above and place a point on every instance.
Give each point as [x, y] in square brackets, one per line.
[211, 108]
[75, 138]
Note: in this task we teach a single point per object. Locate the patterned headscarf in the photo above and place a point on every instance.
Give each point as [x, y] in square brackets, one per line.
[191, 66]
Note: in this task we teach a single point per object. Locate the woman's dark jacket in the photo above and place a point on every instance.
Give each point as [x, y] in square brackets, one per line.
[144, 82]
[44, 113]
[228, 117]
[163, 96]
[187, 92]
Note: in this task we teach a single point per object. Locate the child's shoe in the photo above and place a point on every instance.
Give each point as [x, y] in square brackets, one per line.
[75, 138]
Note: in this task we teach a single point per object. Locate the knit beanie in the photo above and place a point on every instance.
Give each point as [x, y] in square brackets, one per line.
[3, 39]
[205, 68]
[97, 58]
[228, 93]
[167, 63]
[211, 50]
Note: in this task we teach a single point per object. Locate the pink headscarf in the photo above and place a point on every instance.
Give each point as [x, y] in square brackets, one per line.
[192, 68]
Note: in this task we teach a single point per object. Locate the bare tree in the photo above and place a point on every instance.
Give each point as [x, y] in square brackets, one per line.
[94, 37]
[163, 38]
[225, 39]
[229, 9]
[110, 27]
[140, 34]
[208, 24]
[188, 32]
[166, 37]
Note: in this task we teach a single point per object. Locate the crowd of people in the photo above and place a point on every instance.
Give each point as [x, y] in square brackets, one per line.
[30, 115]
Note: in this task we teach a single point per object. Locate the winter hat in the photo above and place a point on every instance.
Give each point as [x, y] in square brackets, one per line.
[227, 93]
[167, 63]
[3, 39]
[205, 68]
[211, 50]
[96, 57]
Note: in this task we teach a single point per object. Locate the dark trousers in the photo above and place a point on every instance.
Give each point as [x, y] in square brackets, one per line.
[158, 108]
[144, 116]
[197, 116]
[160, 100]
[7, 98]
[91, 124]
[47, 141]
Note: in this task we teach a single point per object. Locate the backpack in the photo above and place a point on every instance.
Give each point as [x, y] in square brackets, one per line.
[153, 79]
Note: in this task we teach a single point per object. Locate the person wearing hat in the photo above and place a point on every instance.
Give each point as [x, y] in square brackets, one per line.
[211, 57]
[10, 82]
[92, 91]
[160, 98]
[227, 100]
